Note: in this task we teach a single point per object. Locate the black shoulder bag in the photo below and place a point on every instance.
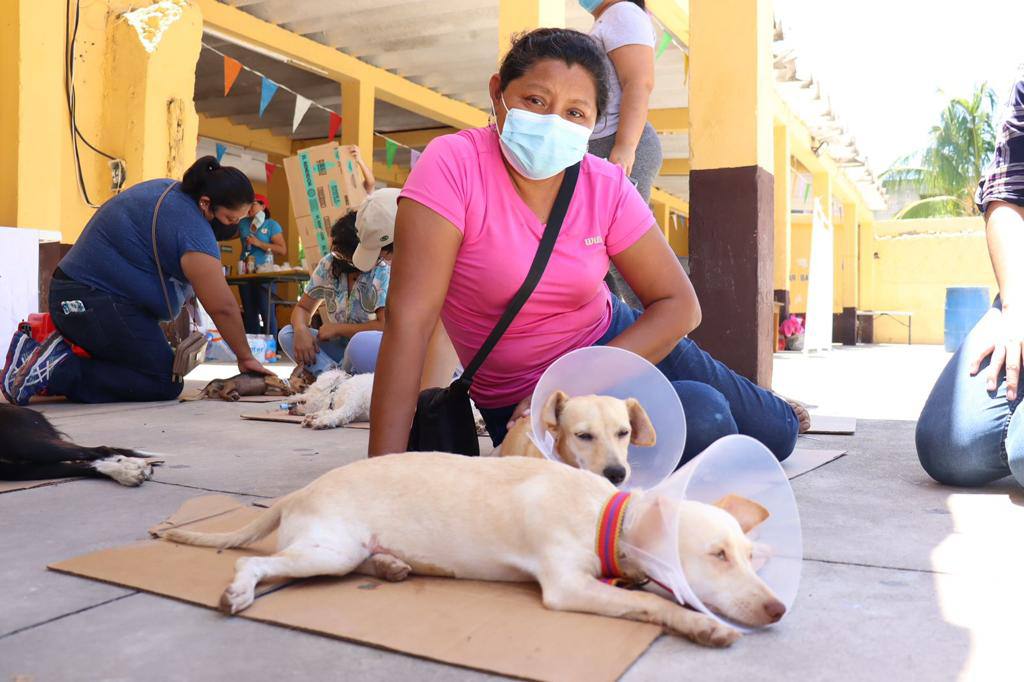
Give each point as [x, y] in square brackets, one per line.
[444, 417]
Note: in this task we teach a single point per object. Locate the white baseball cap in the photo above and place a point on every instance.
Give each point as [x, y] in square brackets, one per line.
[375, 226]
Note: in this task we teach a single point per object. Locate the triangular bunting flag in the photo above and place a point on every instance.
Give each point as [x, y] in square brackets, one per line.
[301, 107]
[269, 168]
[332, 128]
[663, 44]
[220, 151]
[390, 149]
[232, 67]
[414, 156]
[267, 90]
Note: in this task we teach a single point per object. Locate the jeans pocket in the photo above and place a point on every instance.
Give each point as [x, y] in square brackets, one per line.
[85, 329]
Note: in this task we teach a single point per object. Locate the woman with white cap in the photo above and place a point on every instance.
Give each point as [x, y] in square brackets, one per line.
[352, 281]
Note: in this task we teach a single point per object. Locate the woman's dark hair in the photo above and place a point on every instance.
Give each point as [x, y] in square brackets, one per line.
[642, 4]
[224, 185]
[563, 44]
[344, 240]
[266, 212]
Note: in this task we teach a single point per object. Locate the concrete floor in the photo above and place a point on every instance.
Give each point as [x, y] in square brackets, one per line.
[903, 580]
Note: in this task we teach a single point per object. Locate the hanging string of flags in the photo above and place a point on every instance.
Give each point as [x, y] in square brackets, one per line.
[269, 88]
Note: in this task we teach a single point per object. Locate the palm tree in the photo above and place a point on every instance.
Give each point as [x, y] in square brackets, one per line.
[945, 174]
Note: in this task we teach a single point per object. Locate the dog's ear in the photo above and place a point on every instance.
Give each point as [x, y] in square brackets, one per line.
[552, 411]
[643, 430]
[749, 513]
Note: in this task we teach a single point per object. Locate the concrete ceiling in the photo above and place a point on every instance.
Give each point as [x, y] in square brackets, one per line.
[450, 47]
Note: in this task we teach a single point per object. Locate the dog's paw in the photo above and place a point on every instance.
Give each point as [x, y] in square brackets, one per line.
[235, 599]
[318, 422]
[129, 471]
[388, 567]
[714, 634]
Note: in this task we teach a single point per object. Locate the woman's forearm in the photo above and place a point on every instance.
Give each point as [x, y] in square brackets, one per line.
[657, 331]
[1004, 229]
[632, 113]
[350, 329]
[396, 386]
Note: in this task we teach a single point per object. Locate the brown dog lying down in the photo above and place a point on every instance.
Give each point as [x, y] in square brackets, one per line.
[245, 384]
[591, 432]
[509, 519]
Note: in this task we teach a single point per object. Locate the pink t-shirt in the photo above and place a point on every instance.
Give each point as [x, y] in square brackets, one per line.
[462, 178]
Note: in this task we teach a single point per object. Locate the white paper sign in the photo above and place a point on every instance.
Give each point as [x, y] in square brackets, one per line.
[19, 279]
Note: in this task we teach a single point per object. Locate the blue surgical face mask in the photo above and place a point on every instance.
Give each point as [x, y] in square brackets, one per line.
[540, 146]
[590, 5]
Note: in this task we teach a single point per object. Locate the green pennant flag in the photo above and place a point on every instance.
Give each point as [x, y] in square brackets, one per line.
[391, 148]
[663, 44]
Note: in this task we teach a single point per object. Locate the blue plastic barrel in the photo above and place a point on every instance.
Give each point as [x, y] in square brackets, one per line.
[964, 307]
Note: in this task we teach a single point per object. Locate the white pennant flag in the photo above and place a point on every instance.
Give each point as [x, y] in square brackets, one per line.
[301, 107]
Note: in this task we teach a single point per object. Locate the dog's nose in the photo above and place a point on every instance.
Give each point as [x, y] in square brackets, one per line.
[616, 473]
[775, 610]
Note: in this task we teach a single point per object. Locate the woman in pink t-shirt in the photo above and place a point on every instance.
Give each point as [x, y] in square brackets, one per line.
[469, 223]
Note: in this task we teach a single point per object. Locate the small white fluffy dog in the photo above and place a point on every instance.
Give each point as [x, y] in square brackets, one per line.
[335, 399]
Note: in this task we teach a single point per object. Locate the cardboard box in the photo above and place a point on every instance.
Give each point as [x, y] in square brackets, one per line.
[498, 627]
[316, 181]
[315, 239]
[355, 193]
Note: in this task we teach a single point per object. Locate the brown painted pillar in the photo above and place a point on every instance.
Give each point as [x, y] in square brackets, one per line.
[731, 181]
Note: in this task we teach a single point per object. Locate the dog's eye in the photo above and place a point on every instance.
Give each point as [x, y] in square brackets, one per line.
[720, 555]
[623, 433]
[585, 436]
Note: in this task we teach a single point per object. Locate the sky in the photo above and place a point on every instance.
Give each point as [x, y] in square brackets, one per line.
[890, 66]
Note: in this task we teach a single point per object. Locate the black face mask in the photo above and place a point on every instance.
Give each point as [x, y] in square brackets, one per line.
[223, 231]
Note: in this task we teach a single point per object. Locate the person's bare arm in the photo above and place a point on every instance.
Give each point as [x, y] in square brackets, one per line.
[305, 344]
[441, 361]
[414, 304]
[671, 309]
[368, 180]
[334, 330]
[634, 65]
[275, 245]
[206, 275]
[1004, 227]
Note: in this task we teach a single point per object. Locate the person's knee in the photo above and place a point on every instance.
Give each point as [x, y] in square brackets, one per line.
[708, 416]
[945, 456]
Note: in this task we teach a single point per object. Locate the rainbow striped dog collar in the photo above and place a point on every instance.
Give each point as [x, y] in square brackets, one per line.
[609, 531]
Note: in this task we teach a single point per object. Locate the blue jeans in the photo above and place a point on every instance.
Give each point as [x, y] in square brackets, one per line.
[967, 435]
[717, 401]
[256, 305]
[131, 359]
[329, 356]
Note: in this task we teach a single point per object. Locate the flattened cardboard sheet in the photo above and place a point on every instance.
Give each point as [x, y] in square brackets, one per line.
[497, 627]
[283, 417]
[189, 396]
[803, 461]
[13, 486]
[838, 426]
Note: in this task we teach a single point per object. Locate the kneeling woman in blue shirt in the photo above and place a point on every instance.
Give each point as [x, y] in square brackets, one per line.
[107, 297]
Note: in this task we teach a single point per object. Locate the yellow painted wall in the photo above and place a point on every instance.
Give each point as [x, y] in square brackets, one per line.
[911, 262]
[799, 262]
[130, 103]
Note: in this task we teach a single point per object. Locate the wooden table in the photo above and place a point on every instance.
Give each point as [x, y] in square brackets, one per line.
[892, 315]
[270, 277]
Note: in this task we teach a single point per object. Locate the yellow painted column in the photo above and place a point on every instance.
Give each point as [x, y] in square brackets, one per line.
[663, 215]
[33, 119]
[153, 126]
[517, 16]
[731, 109]
[849, 252]
[10, 44]
[821, 189]
[783, 209]
[357, 112]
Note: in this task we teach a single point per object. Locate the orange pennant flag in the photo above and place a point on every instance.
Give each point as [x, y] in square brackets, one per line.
[232, 68]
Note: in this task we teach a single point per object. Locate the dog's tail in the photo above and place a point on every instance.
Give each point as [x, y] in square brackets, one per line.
[255, 530]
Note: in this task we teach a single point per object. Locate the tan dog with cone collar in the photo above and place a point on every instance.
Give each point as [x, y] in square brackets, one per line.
[591, 432]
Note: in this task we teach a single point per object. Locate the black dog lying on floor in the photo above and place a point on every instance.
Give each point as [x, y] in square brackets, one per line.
[31, 449]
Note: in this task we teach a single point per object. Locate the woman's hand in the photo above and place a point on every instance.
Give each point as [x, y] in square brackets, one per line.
[251, 364]
[306, 347]
[1003, 335]
[253, 241]
[624, 157]
[522, 410]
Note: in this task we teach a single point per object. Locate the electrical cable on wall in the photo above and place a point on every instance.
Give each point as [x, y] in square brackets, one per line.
[118, 168]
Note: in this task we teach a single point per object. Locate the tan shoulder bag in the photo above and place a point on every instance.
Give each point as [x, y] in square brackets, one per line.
[191, 352]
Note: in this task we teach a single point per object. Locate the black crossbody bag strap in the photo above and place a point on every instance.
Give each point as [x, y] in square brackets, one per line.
[540, 263]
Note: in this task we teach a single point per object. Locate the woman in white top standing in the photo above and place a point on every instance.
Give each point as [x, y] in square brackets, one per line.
[625, 33]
